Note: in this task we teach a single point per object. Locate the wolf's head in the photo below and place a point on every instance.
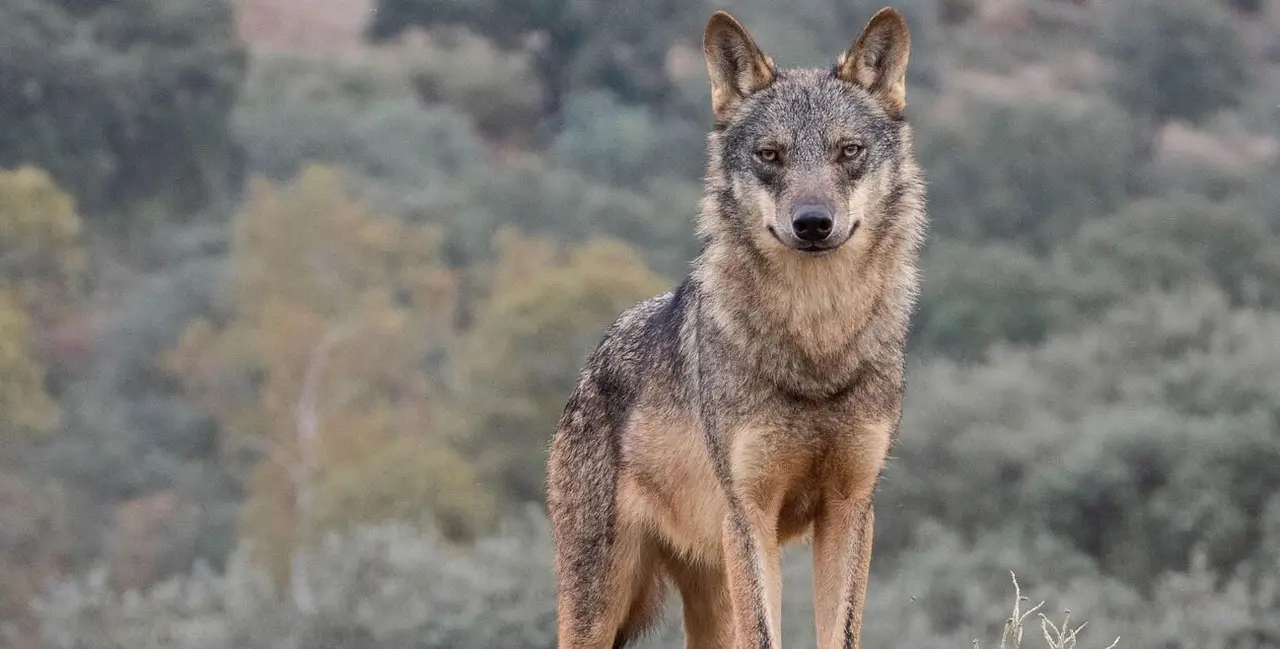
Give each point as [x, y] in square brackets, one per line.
[808, 162]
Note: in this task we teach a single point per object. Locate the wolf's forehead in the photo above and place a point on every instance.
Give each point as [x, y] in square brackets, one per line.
[810, 107]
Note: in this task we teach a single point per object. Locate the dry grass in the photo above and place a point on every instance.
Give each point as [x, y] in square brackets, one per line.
[1056, 636]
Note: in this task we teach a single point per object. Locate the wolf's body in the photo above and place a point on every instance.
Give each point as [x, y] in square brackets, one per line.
[755, 404]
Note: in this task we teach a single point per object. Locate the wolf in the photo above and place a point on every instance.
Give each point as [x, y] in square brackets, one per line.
[754, 404]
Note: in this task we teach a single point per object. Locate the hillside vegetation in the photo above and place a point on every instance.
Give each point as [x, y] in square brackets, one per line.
[283, 334]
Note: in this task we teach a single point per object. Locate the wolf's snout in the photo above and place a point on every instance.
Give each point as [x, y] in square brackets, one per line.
[812, 223]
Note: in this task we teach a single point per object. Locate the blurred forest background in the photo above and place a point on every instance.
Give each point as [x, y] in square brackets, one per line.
[293, 291]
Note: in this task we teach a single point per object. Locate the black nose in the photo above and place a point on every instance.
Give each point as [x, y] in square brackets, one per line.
[812, 222]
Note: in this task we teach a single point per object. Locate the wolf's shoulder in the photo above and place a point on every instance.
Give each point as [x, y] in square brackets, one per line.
[652, 327]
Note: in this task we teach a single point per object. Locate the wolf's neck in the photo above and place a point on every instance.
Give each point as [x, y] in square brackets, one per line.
[805, 322]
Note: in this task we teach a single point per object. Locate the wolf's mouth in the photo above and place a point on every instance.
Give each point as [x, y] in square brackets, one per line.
[813, 249]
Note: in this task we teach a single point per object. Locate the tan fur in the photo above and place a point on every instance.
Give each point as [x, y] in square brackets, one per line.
[756, 405]
[670, 491]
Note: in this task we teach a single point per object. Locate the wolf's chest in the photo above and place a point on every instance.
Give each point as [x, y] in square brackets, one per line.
[804, 352]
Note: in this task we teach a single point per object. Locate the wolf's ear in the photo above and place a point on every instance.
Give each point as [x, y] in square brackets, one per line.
[877, 62]
[736, 65]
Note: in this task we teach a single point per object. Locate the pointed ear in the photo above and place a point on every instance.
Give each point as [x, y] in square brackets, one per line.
[877, 62]
[736, 65]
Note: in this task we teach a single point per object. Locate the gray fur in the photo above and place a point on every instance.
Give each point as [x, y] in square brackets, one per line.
[759, 331]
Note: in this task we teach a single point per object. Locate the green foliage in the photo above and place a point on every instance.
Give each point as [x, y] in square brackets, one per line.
[41, 261]
[1114, 447]
[318, 371]
[28, 409]
[1157, 391]
[620, 46]
[125, 102]
[407, 480]
[1183, 485]
[391, 140]
[1183, 240]
[39, 230]
[384, 586]
[1175, 58]
[498, 89]
[628, 145]
[380, 137]
[127, 430]
[974, 296]
[399, 587]
[1029, 173]
[571, 207]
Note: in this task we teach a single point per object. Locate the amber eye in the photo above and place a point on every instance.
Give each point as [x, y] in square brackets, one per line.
[850, 151]
[767, 154]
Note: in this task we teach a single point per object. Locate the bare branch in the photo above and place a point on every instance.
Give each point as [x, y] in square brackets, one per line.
[307, 421]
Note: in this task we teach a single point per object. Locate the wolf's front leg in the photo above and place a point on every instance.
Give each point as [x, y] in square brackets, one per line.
[841, 562]
[843, 530]
[753, 563]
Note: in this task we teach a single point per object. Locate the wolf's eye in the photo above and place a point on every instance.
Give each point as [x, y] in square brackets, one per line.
[767, 154]
[850, 151]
